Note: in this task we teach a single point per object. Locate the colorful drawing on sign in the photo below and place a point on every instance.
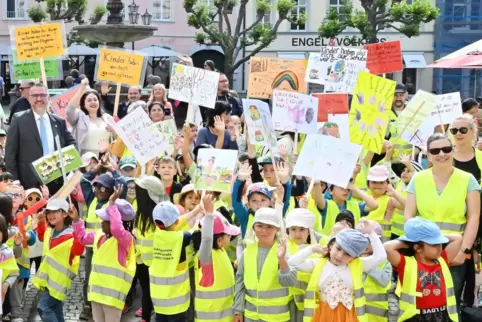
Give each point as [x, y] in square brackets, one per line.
[141, 143]
[120, 66]
[331, 103]
[336, 126]
[294, 112]
[368, 117]
[343, 73]
[166, 133]
[314, 70]
[31, 70]
[215, 169]
[194, 85]
[59, 103]
[384, 57]
[417, 110]
[327, 158]
[260, 124]
[48, 167]
[39, 41]
[267, 74]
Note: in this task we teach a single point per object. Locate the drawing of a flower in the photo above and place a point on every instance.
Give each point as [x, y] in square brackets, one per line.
[372, 100]
[372, 130]
[360, 98]
[362, 126]
[381, 107]
[380, 122]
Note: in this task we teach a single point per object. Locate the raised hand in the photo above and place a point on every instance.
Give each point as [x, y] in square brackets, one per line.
[116, 194]
[73, 213]
[103, 145]
[244, 172]
[219, 125]
[104, 88]
[283, 172]
[282, 248]
[208, 204]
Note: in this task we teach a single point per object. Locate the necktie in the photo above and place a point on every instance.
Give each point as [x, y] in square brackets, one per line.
[44, 136]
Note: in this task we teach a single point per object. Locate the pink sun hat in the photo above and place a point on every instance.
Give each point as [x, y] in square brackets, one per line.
[222, 225]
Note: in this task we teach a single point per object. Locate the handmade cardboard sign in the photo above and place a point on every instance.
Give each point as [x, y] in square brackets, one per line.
[48, 168]
[384, 57]
[39, 41]
[119, 66]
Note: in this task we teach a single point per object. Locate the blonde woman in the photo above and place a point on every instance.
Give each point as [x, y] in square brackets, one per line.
[158, 94]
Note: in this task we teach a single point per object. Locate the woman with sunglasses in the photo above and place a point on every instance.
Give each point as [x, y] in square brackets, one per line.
[468, 159]
[448, 197]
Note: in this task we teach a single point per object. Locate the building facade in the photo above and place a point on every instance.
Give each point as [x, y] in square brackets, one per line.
[459, 25]
[292, 41]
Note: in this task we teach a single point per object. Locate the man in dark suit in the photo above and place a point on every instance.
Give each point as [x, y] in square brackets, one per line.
[133, 95]
[31, 135]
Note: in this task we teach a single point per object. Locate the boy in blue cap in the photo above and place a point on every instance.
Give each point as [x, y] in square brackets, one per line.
[427, 292]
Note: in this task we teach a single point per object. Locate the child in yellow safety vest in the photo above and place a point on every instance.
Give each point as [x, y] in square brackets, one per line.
[169, 273]
[8, 265]
[386, 196]
[427, 289]
[335, 290]
[263, 277]
[113, 263]
[60, 263]
[214, 276]
[299, 224]
[376, 283]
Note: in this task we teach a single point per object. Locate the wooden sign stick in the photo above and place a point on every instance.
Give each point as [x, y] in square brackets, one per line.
[310, 187]
[42, 70]
[117, 98]
[410, 121]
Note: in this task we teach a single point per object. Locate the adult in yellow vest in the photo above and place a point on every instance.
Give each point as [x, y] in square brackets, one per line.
[60, 262]
[214, 272]
[329, 208]
[169, 273]
[264, 277]
[448, 197]
[300, 223]
[340, 268]
[468, 159]
[149, 192]
[427, 290]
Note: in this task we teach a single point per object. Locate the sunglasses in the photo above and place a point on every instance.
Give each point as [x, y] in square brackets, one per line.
[32, 199]
[462, 130]
[445, 149]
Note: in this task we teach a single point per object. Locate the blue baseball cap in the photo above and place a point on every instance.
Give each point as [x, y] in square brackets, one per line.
[261, 188]
[421, 230]
[166, 213]
[106, 180]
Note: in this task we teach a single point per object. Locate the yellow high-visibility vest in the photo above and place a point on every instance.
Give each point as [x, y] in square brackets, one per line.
[265, 298]
[302, 279]
[447, 210]
[398, 219]
[376, 296]
[8, 265]
[92, 221]
[215, 302]
[23, 260]
[109, 281]
[312, 292]
[409, 294]
[144, 244]
[333, 211]
[378, 215]
[55, 272]
[169, 279]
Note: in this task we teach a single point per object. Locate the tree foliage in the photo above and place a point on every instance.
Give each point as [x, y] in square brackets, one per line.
[67, 10]
[216, 26]
[378, 15]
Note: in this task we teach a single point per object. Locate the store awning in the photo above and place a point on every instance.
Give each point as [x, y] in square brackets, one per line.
[414, 60]
[81, 50]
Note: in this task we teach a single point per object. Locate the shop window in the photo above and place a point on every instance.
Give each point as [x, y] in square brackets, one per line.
[296, 11]
[409, 79]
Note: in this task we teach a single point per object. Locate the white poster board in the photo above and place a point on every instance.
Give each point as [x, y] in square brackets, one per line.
[330, 55]
[448, 109]
[328, 159]
[165, 133]
[259, 121]
[193, 85]
[343, 72]
[295, 112]
[337, 126]
[314, 70]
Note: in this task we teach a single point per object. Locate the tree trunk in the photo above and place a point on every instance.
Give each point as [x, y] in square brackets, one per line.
[228, 70]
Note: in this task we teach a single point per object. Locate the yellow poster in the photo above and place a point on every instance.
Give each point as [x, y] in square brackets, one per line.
[370, 105]
[118, 66]
[267, 73]
[39, 41]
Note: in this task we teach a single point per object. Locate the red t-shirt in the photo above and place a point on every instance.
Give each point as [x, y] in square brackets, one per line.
[168, 190]
[430, 283]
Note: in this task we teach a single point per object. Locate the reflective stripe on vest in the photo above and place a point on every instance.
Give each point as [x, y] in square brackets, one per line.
[267, 294]
[214, 294]
[108, 292]
[376, 311]
[448, 209]
[168, 279]
[214, 316]
[275, 309]
[58, 267]
[52, 284]
[376, 297]
[144, 242]
[302, 279]
[112, 272]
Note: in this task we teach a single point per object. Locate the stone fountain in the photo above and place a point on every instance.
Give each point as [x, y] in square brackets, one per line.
[114, 33]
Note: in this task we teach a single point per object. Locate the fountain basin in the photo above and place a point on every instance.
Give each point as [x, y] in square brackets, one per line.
[115, 33]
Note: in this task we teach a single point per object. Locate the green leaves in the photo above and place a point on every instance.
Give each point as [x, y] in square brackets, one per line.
[377, 15]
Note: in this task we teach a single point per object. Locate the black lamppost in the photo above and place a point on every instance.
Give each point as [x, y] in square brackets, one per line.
[134, 16]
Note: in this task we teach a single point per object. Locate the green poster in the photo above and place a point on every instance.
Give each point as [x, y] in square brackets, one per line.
[31, 70]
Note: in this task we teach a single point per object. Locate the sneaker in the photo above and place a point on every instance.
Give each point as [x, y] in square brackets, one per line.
[139, 313]
[126, 309]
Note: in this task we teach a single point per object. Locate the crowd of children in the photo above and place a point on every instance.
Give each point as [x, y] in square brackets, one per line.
[278, 248]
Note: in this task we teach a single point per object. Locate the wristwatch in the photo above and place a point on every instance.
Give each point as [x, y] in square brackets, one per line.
[467, 251]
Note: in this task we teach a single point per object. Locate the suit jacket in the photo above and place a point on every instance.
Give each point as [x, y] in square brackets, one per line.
[109, 107]
[24, 146]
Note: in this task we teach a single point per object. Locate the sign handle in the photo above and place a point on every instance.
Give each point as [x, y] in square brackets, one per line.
[116, 101]
[310, 187]
[42, 70]
[61, 159]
